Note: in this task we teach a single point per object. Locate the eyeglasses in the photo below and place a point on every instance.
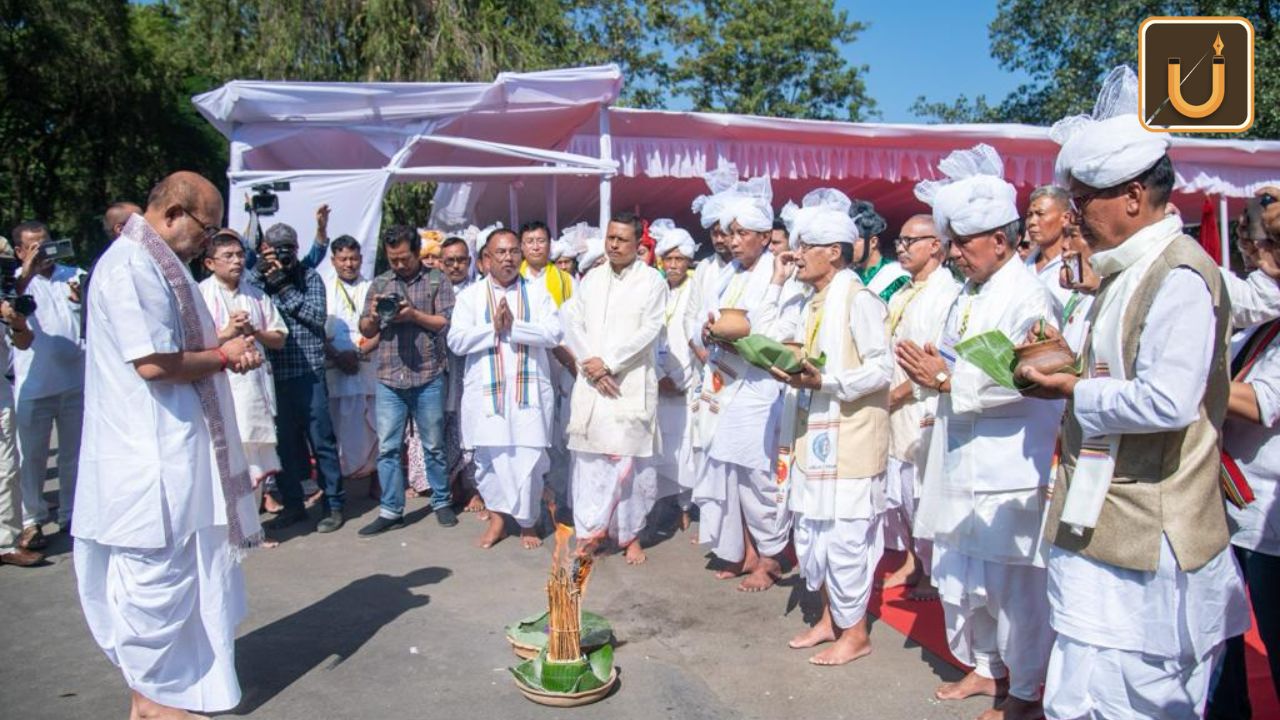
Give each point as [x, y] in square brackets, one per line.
[905, 242]
[1078, 202]
[451, 261]
[209, 230]
[505, 252]
[1266, 199]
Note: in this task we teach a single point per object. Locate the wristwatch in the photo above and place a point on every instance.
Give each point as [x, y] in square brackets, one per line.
[939, 379]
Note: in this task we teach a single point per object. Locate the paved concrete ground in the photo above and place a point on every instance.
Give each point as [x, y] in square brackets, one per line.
[409, 625]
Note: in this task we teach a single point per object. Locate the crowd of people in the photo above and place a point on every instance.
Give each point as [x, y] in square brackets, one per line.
[1088, 527]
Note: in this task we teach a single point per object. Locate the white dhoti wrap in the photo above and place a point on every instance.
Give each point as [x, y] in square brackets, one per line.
[612, 495]
[902, 498]
[167, 617]
[841, 554]
[510, 481]
[726, 494]
[357, 436]
[997, 617]
[1134, 644]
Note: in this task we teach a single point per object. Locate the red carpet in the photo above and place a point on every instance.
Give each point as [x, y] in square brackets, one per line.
[922, 622]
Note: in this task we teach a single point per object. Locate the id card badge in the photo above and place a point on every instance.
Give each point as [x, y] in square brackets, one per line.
[947, 347]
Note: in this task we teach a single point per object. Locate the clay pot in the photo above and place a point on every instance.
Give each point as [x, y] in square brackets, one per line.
[732, 325]
[1046, 356]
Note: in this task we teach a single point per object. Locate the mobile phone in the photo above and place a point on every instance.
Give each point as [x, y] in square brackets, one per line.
[55, 250]
[1075, 270]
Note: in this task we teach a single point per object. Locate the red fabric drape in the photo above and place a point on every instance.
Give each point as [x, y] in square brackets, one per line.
[1210, 240]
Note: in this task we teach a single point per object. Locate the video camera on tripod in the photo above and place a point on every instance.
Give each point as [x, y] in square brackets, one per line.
[264, 202]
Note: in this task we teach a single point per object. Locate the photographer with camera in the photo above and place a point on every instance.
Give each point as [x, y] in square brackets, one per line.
[409, 306]
[298, 368]
[17, 334]
[49, 377]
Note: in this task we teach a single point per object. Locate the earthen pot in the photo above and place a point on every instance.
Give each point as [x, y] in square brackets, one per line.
[732, 325]
[1046, 356]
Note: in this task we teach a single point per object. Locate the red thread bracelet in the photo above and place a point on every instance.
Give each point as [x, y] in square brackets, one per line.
[225, 360]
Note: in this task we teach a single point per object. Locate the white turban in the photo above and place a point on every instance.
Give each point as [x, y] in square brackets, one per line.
[668, 237]
[573, 240]
[557, 250]
[821, 219]
[719, 181]
[1110, 146]
[751, 206]
[482, 237]
[974, 198]
[593, 252]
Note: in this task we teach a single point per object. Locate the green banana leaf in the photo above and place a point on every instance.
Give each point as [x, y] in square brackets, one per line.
[582, 675]
[765, 353]
[992, 352]
[532, 631]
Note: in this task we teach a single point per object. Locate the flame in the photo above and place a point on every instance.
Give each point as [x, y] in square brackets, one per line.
[1218, 45]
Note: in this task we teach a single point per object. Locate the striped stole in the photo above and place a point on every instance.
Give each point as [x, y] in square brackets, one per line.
[495, 389]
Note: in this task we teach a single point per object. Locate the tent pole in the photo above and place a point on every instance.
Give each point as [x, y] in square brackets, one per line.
[606, 182]
[553, 202]
[513, 206]
[1224, 236]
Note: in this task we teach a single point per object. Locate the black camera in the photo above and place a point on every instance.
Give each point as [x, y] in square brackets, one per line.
[22, 304]
[286, 255]
[387, 307]
[264, 200]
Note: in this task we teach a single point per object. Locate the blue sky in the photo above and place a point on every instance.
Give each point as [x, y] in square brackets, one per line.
[925, 47]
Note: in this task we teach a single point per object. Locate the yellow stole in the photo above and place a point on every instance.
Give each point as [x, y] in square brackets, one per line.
[558, 284]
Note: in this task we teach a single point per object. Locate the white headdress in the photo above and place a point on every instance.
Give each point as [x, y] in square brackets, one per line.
[482, 237]
[593, 252]
[573, 240]
[822, 218]
[668, 237]
[974, 197]
[751, 205]
[1109, 146]
[720, 182]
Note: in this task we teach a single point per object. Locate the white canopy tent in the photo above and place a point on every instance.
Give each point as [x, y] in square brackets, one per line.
[547, 145]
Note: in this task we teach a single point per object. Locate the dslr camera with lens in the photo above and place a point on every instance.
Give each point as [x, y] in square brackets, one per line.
[22, 304]
[387, 307]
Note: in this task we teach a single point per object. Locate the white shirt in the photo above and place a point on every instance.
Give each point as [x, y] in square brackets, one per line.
[471, 336]
[6, 354]
[1048, 276]
[1254, 300]
[1256, 449]
[54, 363]
[254, 391]
[919, 311]
[147, 471]
[346, 302]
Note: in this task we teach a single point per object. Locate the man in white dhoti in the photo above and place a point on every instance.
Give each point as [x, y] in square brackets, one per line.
[836, 420]
[676, 369]
[241, 309]
[1143, 588]
[986, 479]
[165, 505]
[612, 324]
[916, 314]
[739, 405]
[503, 327]
[349, 362]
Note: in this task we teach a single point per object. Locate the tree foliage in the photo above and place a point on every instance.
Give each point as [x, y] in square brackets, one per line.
[1067, 46]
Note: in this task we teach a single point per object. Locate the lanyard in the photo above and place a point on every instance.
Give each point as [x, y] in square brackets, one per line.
[811, 332]
[968, 306]
[1072, 302]
[736, 288]
[902, 309]
[342, 287]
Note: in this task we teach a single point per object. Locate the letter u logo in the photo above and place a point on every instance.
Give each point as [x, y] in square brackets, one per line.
[1206, 108]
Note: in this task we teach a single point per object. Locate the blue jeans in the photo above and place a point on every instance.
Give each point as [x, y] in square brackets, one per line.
[426, 402]
[303, 429]
[1229, 700]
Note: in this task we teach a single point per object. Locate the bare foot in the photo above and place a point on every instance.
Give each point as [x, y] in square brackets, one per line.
[474, 505]
[685, 520]
[763, 577]
[730, 572]
[269, 544]
[270, 504]
[1014, 708]
[908, 574]
[494, 533]
[971, 685]
[851, 645]
[150, 710]
[529, 539]
[814, 636]
[313, 498]
[923, 591]
[634, 554]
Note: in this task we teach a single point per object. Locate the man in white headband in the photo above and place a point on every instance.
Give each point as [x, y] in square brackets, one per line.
[737, 414]
[986, 481]
[1142, 584]
[676, 365]
[836, 417]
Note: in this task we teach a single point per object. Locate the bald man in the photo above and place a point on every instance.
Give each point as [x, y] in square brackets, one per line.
[165, 506]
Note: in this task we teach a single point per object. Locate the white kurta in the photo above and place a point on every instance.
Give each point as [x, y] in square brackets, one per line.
[510, 441]
[675, 363]
[254, 392]
[1256, 449]
[158, 584]
[616, 317]
[916, 313]
[1048, 276]
[839, 537]
[1254, 300]
[984, 491]
[351, 404]
[1128, 619]
[55, 362]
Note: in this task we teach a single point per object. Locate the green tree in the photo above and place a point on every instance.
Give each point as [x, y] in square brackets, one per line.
[1066, 47]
